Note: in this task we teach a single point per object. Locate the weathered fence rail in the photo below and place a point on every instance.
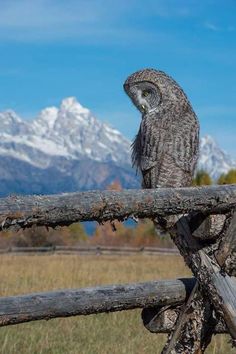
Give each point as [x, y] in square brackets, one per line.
[64, 303]
[65, 209]
[91, 250]
[205, 239]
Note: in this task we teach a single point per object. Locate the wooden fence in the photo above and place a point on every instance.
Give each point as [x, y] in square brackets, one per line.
[90, 250]
[203, 227]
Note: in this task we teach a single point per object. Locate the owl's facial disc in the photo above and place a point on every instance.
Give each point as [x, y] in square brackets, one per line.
[145, 96]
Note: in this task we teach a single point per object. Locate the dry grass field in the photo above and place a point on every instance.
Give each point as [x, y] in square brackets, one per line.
[106, 333]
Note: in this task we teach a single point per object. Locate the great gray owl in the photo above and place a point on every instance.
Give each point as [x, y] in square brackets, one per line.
[165, 149]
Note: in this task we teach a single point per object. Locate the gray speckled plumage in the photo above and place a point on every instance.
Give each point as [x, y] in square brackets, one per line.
[165, 149]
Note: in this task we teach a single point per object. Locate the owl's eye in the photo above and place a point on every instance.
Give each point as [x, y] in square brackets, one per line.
[145, 93]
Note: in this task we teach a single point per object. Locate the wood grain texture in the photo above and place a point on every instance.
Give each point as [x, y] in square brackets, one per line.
[226, 254]
[65, 209]
[217, 292]
[87, 301]
[163, 320]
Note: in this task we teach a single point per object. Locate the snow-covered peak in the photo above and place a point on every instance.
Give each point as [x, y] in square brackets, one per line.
[9, 116]
[11, 123]
[208, 140]
[70, 104]
[85, 136]
[71, 132]
[48, 116]
[213, 159]
[46, 120]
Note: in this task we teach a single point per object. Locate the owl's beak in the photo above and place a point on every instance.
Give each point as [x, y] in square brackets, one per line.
[143, 109]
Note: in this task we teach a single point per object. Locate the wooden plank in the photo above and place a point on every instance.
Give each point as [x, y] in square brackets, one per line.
[64, 209]
[31, 249]
[222, 289]
[216, 288]
[226, 254]
[91, 250]
[64, 303]
[161, 320]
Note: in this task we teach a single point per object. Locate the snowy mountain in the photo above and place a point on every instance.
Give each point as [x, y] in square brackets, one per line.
[67, 149]
[71, 132]
[63, 149]
[213, 159]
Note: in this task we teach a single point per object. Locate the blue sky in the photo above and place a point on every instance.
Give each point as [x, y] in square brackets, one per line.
[51, 49]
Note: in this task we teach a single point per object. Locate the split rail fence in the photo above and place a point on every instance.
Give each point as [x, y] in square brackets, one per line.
[90, 250]
[189, 310]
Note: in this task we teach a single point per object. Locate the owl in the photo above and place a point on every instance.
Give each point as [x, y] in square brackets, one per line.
[166, 147]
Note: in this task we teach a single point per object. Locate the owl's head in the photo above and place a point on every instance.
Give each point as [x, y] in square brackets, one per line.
[150, 88]
[144, 94]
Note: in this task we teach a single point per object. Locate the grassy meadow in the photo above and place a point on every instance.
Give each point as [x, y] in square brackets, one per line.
[113, 333]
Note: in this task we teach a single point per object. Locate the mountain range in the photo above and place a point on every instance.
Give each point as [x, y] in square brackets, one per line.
[67, 149]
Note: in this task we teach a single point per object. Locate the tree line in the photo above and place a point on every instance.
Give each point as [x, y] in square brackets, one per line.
[202, 178]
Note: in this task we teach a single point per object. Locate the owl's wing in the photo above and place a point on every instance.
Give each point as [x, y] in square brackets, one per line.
[148, 147]
[136, 150]
[148, 152]
[186, 142]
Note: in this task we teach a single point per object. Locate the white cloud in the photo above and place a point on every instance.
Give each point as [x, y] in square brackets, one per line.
[27, 20]
[47, 20]
[211, 26]
[46, 13]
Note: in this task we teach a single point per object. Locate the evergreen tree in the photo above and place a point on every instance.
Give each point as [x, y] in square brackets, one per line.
[228, 178]
[202, 179]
